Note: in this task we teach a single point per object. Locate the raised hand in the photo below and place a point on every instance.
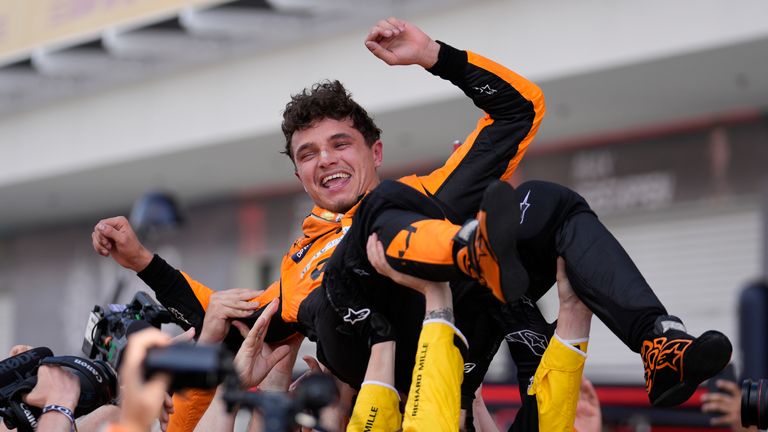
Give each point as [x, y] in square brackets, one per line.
[142, 401]
[725, 404]
[588, 414]
[252, 361]
[398, 42]
[223, 307]
[378, 260]
[574, 317]
[115, 237]
[437, 295]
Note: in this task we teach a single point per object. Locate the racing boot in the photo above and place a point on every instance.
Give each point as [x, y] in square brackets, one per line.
[676, 362]
[487, 245]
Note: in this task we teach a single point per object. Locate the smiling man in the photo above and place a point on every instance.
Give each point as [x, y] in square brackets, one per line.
[335, 162]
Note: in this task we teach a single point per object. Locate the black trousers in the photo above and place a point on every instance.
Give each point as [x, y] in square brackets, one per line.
[555, 221]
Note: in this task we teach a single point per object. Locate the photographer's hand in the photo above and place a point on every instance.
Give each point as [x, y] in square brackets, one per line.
[222, 308]
[142, 401]
[115, 237]
[165, 414]
[251, 361]
[18, 349]
[55, 386]
[727, 403]
[168, 408]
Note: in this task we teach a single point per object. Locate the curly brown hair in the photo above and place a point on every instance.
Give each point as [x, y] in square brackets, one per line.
[326, 99]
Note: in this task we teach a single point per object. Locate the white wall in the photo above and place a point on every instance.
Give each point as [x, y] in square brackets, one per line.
[546, 39]
[7, 321]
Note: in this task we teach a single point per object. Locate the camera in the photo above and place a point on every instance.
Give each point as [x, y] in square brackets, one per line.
[106, 333]
[196, 366]
[191, 366]
[754, 403]
[18, 376]
[281, 412]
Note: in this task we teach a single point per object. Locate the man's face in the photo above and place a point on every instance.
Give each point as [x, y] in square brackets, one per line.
[334, 164]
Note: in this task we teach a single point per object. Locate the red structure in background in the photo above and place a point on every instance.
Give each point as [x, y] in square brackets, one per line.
[619, 405]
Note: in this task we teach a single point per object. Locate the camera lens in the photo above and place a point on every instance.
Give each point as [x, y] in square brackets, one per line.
[754, 403]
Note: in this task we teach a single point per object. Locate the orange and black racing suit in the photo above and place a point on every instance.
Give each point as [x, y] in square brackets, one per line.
[514, 108]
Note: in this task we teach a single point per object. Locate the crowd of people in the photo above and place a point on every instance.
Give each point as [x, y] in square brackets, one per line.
[409, 286]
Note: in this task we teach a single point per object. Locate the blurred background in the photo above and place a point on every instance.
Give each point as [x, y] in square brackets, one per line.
[656, 114]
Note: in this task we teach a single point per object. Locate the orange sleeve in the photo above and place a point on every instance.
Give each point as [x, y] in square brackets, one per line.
[202, 292]
[272, 292]
[189, 407]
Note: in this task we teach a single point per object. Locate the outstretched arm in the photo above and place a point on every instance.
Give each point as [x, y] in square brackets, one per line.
[514, 108]
[434, 399]
[558, 378]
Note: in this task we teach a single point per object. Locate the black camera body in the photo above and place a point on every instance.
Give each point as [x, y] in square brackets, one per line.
[754, 403]
[106, 333]
[191, 366]
[281, 412]
[18, 376]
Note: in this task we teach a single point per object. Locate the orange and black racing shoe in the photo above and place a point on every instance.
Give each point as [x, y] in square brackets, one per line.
[676, 362]
[488, 250]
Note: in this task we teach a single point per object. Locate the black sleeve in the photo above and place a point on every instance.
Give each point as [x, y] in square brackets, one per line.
[173, 291]
[514, 108]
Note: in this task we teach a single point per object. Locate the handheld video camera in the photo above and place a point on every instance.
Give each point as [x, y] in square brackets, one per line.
[106, 333]
[205, 367]
[18, 376]
[191, 366]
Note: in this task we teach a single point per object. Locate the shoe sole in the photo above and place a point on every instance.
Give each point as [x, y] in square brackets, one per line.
[714, 349]
[501, 206]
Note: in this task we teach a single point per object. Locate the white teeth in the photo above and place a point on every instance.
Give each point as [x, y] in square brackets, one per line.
[334, 176]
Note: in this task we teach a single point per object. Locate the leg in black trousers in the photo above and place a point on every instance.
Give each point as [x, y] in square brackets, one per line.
[556, 221]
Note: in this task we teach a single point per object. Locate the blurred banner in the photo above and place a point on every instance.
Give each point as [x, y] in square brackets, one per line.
[29, 24]
[656, 170]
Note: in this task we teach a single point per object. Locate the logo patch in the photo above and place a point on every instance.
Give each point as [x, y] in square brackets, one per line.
[524, 206]
[354, 316]
[296, 257]
[468, 367]
[179, 316]
[537, 342]
[360, 272]
[90, 369]
[486, 89]
[526, 301]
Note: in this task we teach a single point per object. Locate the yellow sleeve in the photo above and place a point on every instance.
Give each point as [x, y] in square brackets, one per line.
[556, 384]
[377, 409]
[434, 400]
[189, 407]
